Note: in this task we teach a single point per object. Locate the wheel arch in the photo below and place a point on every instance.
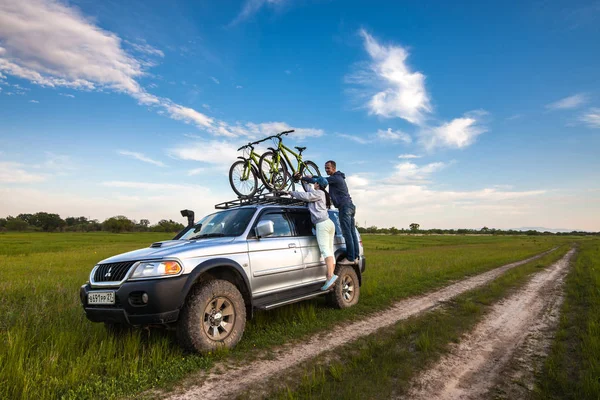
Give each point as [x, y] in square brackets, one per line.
[220, 268]
[340, 254]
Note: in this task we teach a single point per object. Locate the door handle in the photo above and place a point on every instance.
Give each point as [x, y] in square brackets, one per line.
[292, 245]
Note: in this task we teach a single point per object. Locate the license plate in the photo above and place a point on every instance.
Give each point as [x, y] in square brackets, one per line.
[101, 297]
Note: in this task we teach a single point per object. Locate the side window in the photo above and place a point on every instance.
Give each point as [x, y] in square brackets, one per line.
[280, 224]
[302, 223]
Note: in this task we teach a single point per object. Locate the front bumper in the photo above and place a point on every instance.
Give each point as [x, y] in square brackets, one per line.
[165, 299]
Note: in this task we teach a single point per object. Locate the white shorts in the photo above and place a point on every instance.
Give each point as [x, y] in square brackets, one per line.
[325, 233]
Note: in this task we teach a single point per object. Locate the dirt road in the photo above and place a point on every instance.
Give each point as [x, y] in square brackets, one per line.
[496, 358]
[235, 380]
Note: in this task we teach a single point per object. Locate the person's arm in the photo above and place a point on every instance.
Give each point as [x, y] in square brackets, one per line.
[309, 179]
[310, 196]
[334, 179]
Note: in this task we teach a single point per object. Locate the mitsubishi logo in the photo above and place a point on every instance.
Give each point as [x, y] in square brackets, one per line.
[107, 275]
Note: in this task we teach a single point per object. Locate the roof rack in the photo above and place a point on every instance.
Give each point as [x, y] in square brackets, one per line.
[262, 199]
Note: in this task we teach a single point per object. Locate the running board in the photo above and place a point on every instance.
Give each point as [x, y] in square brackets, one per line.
[294, 300]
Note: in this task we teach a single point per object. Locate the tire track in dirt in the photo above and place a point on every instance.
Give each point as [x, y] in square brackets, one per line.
[234, 380]
[508, 334]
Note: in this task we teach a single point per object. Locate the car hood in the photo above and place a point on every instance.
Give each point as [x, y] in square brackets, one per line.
[173, 248]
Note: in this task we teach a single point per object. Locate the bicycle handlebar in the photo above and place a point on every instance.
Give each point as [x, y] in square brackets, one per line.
[267, 138]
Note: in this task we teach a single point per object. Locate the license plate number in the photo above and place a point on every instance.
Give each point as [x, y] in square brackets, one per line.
[101, 297]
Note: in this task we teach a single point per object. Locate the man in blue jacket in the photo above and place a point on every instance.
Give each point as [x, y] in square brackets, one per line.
[338, 190]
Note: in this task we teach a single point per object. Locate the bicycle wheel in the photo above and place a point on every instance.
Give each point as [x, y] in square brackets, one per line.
[243, 187]
[274, 177]
[309, 168]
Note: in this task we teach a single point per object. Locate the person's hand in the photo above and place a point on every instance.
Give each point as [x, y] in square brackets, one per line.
[297, 176]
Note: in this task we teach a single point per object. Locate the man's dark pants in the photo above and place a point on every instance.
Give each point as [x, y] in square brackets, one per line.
[347, 212]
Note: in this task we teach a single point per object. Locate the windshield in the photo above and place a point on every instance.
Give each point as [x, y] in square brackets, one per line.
[224, 223]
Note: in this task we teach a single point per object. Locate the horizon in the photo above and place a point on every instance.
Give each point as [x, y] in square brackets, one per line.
[450, 116]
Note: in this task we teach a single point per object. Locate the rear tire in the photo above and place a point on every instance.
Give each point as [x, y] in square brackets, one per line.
[273, 180]
[346, 291]
[242, 187]
[309, 168]
[214, 316]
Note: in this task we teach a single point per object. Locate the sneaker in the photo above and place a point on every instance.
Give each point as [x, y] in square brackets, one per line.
[357, 261]
[329, 283]
[345, 261]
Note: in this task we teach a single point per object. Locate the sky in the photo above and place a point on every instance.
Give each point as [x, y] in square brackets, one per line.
[446, 114]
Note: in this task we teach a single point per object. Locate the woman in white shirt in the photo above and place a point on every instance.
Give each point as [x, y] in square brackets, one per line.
[318, 202]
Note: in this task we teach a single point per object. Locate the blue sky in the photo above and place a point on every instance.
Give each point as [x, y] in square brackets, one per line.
[447, 114]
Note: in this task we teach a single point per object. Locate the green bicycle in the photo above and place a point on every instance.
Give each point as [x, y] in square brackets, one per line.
[244, 175]
[274, 169]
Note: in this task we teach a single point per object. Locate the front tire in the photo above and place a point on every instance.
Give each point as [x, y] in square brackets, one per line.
[214, 316]
[346, 291]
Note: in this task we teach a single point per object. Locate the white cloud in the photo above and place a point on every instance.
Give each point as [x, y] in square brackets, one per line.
[196, 171]
[215, 80]
[67, 95]
[270, 128]
[34, 101]
[145, 48]
[73, 53]
[568, 102]
[458, 133]
[251, 7]
[591, 118]
[141, 157]
[394, 136]
[400, 92]
[354, 138]
[56, 163]
[115, 198]
[11, 172]
[406, 156]
[54, 45]
[239, 87]
[152, 186]
[410, 173]
[207, 151]
[189, 115]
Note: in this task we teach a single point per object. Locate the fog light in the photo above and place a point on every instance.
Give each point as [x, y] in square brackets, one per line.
[145, 298]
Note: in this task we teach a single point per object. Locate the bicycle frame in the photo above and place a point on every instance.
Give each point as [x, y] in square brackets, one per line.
[252, 157]
[283, 149]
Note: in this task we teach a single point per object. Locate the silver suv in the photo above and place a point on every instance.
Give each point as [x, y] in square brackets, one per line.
[216, 272]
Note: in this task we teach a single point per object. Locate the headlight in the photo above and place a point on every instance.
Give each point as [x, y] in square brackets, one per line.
[156, 269]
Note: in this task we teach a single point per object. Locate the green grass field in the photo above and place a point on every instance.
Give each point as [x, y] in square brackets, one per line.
[382, 365]
[48, 349]
[572, 370]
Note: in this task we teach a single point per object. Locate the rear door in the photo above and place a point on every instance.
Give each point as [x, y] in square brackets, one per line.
[276, 260]
[314, 265]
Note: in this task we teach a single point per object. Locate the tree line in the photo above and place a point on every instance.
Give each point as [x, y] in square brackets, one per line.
[415, 228]
[47, 222]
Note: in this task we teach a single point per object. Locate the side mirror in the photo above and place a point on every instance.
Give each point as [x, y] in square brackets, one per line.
[265, 228]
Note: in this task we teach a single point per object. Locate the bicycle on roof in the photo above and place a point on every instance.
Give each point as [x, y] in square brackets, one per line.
[244, 175]
[274, 169]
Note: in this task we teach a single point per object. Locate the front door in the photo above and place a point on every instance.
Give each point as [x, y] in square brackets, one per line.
[315, 269]
[276, 260]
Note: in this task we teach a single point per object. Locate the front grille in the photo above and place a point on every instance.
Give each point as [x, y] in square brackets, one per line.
[113, 272]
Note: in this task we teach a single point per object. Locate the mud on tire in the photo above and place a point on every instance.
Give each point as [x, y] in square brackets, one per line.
[214, 316]
[346, 291]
